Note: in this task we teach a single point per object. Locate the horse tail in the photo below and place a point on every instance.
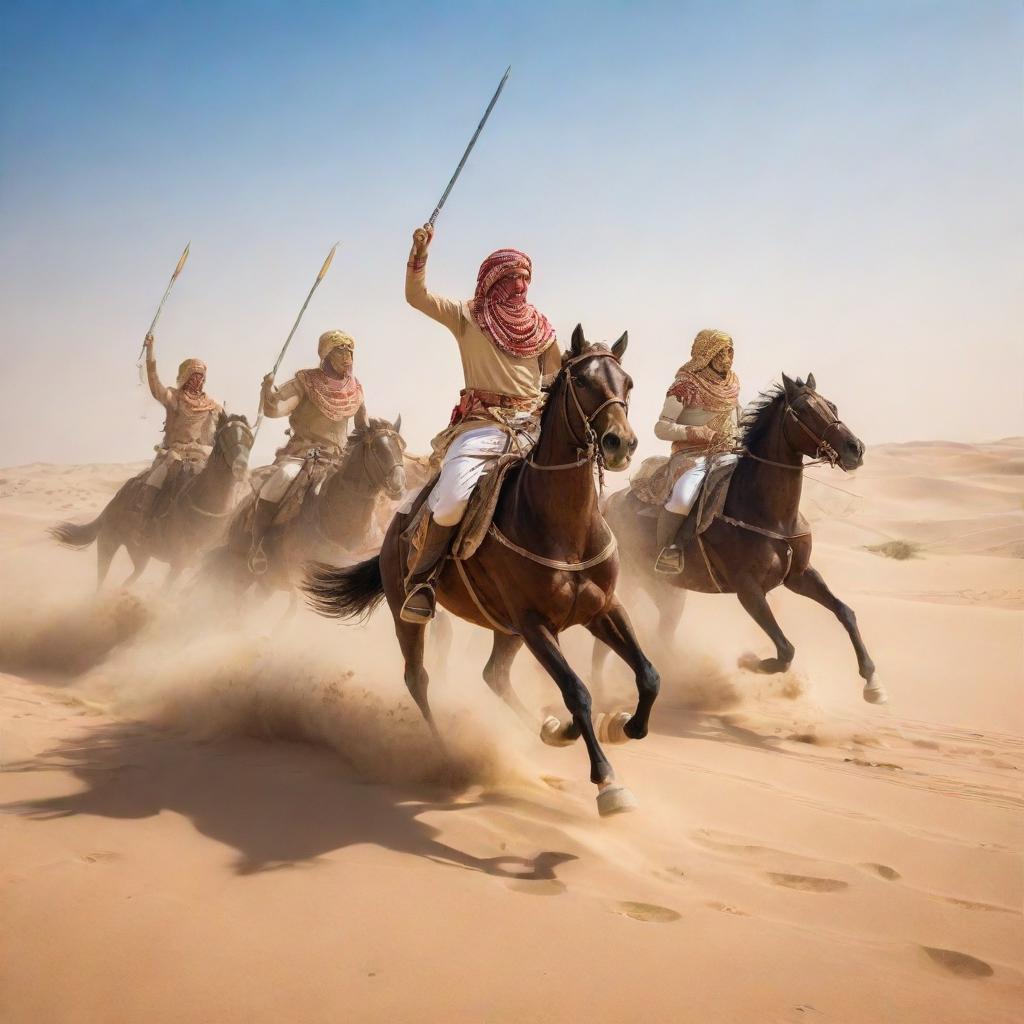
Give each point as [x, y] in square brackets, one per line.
[77, 535]
[345, 593]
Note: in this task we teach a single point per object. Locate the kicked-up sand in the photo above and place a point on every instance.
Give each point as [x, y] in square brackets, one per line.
[211, 817]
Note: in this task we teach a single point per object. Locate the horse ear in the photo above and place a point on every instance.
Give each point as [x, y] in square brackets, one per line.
[811, 382]
[398, 423]
[791, 387]
[619, 348]
[578, 341]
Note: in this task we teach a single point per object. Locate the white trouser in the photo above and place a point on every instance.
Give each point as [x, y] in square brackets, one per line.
[286, 469]
[466, 460]
[684, 493]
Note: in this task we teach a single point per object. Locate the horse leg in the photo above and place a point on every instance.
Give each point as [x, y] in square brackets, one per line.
[411, 638]
[106, 548]
[809, 583]
[611, 798]
[614, 628]
[497, 674]
[755, 604]
[140, 559]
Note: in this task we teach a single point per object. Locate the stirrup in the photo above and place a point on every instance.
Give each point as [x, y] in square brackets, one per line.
[669, 561]
[257, 561]
[420, 605]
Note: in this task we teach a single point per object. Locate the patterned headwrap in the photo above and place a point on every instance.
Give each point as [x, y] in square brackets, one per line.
[513, 324]
[196, 402]
[697, 385]
[330, 340]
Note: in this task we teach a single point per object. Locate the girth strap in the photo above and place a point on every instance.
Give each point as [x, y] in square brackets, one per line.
[554, 563]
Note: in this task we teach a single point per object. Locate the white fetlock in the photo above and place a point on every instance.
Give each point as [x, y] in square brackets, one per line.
[611, 728]
[874, 692]
[615, 799]
[551, 732]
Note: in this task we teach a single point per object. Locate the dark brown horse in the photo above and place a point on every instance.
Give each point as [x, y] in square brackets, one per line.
[192, 521]
[761, 541]
[549, 564]
[334, 521]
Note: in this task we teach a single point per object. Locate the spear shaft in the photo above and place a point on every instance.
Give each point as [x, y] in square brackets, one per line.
[170, 285]
[295, 327]
[469, 148]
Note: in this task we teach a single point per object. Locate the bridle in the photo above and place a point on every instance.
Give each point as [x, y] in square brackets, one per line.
[370, 461]
[243, 439]
[587, 446]
[825, 452]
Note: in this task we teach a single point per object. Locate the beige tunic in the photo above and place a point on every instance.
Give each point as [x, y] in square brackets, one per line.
[484, 366]
[308, 426]
[184, 429]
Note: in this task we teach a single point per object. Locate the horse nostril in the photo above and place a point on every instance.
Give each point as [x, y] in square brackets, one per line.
[633, 445]
[611, 442]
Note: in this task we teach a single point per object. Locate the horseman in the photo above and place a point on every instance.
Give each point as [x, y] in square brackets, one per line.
[507, 349]
[319, 404]
[700, 417]
[189, 429]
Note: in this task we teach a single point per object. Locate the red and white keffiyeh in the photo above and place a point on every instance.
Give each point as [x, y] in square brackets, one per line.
[513, 324]
[336, 398]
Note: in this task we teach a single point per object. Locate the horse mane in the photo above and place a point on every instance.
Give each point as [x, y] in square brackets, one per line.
[759, 414]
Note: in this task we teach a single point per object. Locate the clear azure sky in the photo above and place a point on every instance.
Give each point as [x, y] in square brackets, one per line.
[836, 184]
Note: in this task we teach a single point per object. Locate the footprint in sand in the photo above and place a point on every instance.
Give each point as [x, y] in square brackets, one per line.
[883, 871]
[807, 883]
[727, 908]
[972, 905]
[99, 855]
[645, 912]
[960, 964]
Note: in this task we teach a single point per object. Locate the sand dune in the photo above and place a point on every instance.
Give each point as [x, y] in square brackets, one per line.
[243, 824]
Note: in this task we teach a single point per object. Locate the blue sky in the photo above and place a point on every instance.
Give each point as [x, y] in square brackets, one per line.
[836, 184]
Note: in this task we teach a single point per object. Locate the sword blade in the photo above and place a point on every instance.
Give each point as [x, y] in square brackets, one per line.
[469, 148]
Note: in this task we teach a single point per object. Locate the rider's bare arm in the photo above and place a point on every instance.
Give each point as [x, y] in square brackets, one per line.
[280, 401]
[162, 394]
[444, 311]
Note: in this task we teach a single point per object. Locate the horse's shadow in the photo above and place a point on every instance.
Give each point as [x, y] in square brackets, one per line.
[277, 805]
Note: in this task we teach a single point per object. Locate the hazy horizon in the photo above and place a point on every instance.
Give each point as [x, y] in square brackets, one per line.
[837, 185]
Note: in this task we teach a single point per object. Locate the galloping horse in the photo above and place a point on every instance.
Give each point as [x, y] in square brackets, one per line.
[193, 520]
[761, 540]
[335, 519]
[547, 563]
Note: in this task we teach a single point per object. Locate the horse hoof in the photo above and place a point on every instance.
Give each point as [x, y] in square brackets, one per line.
[615, 799]
[611, 728]
[874, 692]
[551, 733]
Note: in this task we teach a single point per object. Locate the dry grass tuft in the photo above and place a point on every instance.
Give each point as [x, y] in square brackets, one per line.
[901, 550]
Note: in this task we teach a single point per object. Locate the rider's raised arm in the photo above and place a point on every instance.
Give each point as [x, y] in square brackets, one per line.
[156, 388]
[444, 311]
[280, 401]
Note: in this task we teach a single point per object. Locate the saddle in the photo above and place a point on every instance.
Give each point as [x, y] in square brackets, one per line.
[479, 513]
[655, 478]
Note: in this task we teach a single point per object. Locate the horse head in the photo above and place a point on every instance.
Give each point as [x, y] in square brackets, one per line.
[812, 426]
[378, 449]
[233, 442]
[597, 391]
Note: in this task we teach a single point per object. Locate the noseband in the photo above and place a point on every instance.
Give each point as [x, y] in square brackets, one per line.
[588, 447]
[368, 455]
[824, 452]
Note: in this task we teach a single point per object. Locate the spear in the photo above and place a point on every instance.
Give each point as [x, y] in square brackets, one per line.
[469, 148]
[291, 333]
[160, 308]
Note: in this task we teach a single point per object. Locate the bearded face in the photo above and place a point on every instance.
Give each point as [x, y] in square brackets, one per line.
[722, 362]
[338, 361]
